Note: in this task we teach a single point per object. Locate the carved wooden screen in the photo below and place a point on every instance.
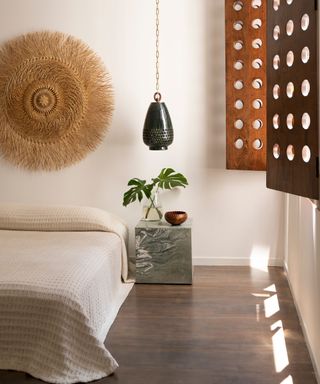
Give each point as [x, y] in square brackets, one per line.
[246, 84]
[292, 63]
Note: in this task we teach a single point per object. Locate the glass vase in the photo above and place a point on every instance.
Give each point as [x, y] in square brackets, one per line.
[152, 210]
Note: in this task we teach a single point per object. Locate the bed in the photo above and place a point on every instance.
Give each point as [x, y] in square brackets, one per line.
[63, 278]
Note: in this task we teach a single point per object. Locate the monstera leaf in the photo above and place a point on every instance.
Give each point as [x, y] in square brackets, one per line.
[169, 179]
[138, 189]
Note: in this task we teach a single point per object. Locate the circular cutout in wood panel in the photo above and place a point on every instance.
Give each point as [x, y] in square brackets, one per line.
[238, 6]
[239, 143]
[238, 25]
[305, 55]
[256, 3]
[306, 154]
[257, 43]
[238, 124]
[290, 152]
[238, 45]
[276, 4]
[290, 89]
[305, 20]
[256, 23]
[305, 88]
[238, 65]
[290, 28]
[257, 104]
[276, 151]
[276, 32]
[276, 62]
[238, 84]
[290, 121]
[305, 120]
[276, 121]
[290, 59]
[257, 124]
[257, 63]
[276, 91]
[257, 144]
[257, 83]
[238, 104]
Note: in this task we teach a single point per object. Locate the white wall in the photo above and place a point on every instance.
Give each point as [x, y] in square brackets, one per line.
[302, 258]
[302, 262]
[235, 216]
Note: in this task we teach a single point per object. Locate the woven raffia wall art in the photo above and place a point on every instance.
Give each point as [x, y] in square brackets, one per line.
[56, 100]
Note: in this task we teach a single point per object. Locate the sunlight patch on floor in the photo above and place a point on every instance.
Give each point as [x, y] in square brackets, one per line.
[280, 353]
[287, 380]
[271, 306]
[276, 325]
[259, 258]
[271, 288]
[260, 294]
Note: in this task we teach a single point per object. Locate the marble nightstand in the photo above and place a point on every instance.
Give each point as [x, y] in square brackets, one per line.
[163, 253]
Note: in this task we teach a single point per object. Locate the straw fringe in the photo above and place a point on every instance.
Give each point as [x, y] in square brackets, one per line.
[56, 100]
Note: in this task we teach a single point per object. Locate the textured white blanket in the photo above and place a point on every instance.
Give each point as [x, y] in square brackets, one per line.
[65, 218]
[59, 291]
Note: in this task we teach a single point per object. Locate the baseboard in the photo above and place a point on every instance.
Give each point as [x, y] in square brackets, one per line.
[303, 327]
[212, 261]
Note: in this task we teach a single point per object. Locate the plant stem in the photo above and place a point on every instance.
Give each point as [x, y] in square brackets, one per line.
[153, 205]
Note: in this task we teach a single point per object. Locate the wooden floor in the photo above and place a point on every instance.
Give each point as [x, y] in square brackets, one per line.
[234, 325]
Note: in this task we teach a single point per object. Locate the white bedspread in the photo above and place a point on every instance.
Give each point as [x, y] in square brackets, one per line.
[59, 294]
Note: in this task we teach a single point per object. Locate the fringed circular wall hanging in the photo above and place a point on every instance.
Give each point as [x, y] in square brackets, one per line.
[56, 100]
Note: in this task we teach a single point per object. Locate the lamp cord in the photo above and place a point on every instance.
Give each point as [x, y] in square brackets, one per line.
[157, 95]
[157, 45]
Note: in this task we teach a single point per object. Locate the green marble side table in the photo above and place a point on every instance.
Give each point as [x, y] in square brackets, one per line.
[163, 253]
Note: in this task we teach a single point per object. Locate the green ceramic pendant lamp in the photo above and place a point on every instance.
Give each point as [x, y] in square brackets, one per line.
[157, 129]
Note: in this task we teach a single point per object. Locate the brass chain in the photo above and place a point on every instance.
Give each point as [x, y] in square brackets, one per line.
[157, 45]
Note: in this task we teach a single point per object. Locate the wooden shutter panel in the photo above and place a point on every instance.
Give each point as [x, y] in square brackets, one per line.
[292, 97]
[246, 84]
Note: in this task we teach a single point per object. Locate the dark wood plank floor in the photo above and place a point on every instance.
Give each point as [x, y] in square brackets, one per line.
[234, 325]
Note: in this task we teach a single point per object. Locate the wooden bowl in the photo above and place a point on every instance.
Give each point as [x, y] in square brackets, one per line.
[176, 217]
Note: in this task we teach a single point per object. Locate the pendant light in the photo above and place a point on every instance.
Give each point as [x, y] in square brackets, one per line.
[157, 129]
